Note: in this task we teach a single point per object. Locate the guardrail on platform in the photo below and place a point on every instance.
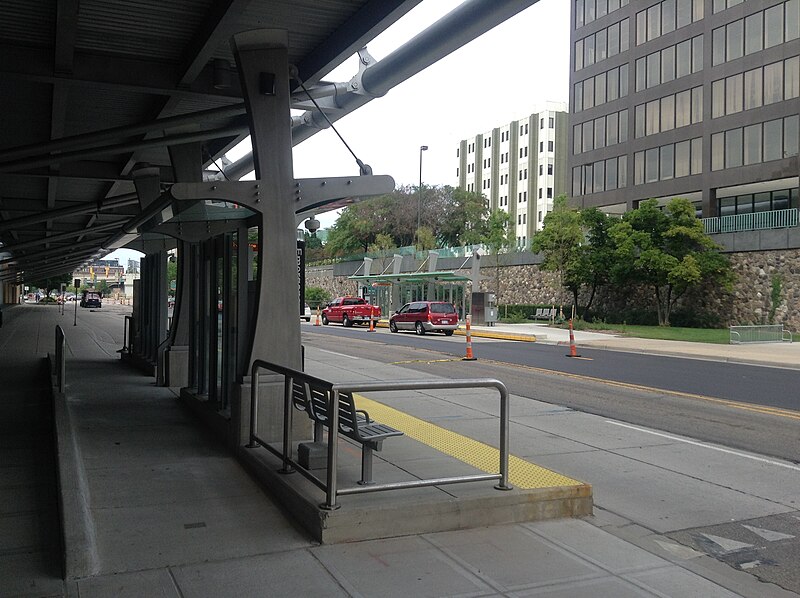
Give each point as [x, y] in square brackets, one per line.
[767, 333]
[752, 221]
[330, 485]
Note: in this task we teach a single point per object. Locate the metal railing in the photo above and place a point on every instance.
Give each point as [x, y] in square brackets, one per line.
[753, 221]
[768, 333]
[330, 485]
[61, 359]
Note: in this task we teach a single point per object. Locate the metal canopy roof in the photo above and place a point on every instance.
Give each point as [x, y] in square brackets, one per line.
[414, 277]
[89, 89]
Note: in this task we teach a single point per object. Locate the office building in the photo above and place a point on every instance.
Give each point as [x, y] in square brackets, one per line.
[520, 167]
[686, 98]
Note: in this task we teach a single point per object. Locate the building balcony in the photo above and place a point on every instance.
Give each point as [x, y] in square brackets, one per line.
[772, 219]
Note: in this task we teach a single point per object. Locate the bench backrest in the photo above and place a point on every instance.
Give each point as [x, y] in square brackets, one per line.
[315, 401]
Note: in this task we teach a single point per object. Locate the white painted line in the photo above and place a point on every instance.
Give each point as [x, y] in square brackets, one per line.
[339, 354]
[750, 565]
[679, 551]
[727, 544]
[708, 446]
[768, 534]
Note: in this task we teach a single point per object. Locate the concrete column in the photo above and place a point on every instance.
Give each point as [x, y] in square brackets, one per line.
[710, 207]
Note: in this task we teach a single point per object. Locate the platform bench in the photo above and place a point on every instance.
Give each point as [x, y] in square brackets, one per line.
[354, 424]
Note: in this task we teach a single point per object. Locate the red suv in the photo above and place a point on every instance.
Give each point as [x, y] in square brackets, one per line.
[425, 316]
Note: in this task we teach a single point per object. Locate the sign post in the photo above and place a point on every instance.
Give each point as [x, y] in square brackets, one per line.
[77, 284]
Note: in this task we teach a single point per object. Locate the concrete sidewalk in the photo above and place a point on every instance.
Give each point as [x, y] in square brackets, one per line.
[176, 515]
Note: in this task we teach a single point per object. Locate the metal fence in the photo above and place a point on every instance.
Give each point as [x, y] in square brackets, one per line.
[753, 221]
[772, 333]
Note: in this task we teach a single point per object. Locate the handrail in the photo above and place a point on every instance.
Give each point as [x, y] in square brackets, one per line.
[330, 486]
[61, 359]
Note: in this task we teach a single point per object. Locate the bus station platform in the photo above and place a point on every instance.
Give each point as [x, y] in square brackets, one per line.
[168, 510]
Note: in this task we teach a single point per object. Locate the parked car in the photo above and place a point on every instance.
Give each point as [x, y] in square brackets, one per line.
[349, 311]
[425, 316]
[91, 299]
[306, 313]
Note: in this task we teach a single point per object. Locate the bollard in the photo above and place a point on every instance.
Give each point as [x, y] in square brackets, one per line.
[316, 321]
[469, 356]
[573, 351]
[372, 318]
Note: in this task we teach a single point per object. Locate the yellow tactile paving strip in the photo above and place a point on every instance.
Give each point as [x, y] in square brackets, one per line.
[522, 474]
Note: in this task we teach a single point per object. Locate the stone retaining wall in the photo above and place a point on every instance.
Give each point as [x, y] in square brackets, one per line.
[748, 303]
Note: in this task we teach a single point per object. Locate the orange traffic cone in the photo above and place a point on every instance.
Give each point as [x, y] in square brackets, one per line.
[372, 319]
[573, 350]
[316, 320]
[469, 356]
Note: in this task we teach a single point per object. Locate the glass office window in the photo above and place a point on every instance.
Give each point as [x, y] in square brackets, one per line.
[601, 45]
[697, 155]
[641, 27]
[590, 13]
[697, 54]
[651, 165]
[578, 55]
[611, 174]
[622, 175]
[667, 16]
[612, 85]
[653, 69]
[588, 51]
[744, 204]
[734, 88]
[602, 8]
[667, 161]
[684, 13]
[600, 132]
[588, 94]
[579, 14]
[668, 64]
[599, 176]
[683, 59]
[577, 139]
[638, 168]
[612, 129]
[624, 35]
[654, 21]
[754, 33]
[668, 113]
[623, 126]
[733, 148]
[588, 136]
[717, 151]
[697, 104]
[697, 10]
[613, 40]
[791, 136]
[762, 202]
[727, 206]
[734, 40]
[773, 140]
[623, 80]
[773, 83]
[773, 26]
[600, 89]
[752, 144]
[792, 21]
[718, 98]
[652, 118]
[578, 102]
[718, 6]
[683, 108]
[682, 159]
[638, 125]
[717, 46]
[641, 74]
[576, 181]
[753, 89]
[791, 78]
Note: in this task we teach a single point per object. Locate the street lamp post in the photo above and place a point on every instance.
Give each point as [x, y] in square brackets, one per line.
[422, 148]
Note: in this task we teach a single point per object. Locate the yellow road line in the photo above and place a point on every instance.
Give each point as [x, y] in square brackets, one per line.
[522, 474]
[788, 413]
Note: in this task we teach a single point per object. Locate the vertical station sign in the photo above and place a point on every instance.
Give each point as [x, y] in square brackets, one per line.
[301, 273]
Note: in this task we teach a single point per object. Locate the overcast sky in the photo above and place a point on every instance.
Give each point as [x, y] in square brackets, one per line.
[502, 76]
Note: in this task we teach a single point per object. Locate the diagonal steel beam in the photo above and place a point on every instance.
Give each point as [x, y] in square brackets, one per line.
[82, 208]
[60, 236]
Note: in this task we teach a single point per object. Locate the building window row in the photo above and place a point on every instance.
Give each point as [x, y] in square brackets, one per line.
[596, 177]
[720, 5]
[523, 152]
[471, 148]
[759, 202]
[605, 87]
[504, 135]
[549, 168]
[550, 146]
[549, 193]
[670, 112]
[754, 144]
[604, 44]
[551, 123]
[523, 129]
[600, 132]
[487, 162]
[522, 218]
[757, 87]
[523, 174]
[756, 32]
[522, 197]
[670, 63]
[671, 161]
[665, 17]
[487, 142]
[587, 11]
[470, 168]
[503, 158]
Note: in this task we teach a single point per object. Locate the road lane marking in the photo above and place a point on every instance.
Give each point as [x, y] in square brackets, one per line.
[768, 534]
[339, 354]
[704, 445]
[763, 409]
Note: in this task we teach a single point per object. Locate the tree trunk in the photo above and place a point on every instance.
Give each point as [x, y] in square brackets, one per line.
[659, 306]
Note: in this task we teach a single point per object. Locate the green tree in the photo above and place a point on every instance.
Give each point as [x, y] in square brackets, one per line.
[465, 220]
[596, 256]
[559, 242]
[383, 242]
[51, 282]
[316, 297]
[425, 239]
[667, 251]
[499, 236]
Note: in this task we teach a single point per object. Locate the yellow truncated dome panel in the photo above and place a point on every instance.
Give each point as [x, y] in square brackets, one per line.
[522, 474]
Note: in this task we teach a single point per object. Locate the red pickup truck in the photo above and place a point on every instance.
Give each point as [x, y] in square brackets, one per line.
[349, 311]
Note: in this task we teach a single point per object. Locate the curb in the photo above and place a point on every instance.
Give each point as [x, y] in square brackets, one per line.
[503, 336]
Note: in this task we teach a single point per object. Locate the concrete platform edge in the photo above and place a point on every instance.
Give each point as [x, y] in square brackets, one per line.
[78, 539]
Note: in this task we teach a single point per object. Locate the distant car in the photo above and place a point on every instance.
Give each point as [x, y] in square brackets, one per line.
[306, 313]
[90, 299]
[425, 316]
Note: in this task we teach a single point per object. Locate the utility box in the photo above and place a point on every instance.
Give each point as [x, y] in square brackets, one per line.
[484, 309]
